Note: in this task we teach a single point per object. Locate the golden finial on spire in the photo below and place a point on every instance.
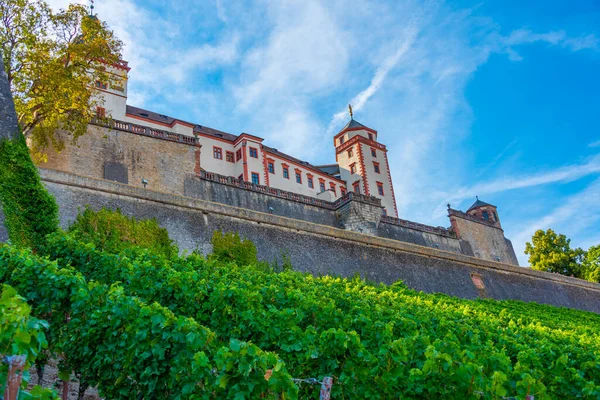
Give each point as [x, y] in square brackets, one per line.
[350, 110]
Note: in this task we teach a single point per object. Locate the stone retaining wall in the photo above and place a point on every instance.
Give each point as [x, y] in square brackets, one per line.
[321, 249]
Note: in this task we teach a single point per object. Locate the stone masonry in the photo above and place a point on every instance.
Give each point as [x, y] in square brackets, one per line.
[320, 249]
[360, 216]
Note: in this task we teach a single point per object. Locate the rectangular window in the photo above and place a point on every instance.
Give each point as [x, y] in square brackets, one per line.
[353, 168]
[241, 177]
[271, 167]
[217, 153]
[310, 183]
[374, 153]
[100, 112]
[342, 140]
[322, 186]
[229, 156]
[370, 136]
[486, 216]
[376, 167]
[350, 153]
[101, 85]
[255, 179]
[380, 188]
[253, 152]
[332, 187]
[384, 212]
[238, 155]
[286, 173]
[356, 187]
[298, 177]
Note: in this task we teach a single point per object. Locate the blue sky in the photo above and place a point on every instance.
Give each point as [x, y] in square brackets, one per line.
[499, 99]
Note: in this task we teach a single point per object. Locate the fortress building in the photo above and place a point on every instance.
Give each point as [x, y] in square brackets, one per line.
[146, 149]
[362, 165]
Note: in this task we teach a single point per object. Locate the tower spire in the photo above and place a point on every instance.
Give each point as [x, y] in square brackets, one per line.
[350, 111]
[91, 8]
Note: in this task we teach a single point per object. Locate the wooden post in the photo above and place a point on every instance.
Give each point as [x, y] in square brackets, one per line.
[326, 388]
[65, 390]
[15, 375]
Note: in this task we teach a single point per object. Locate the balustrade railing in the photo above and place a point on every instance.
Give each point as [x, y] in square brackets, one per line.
[147, 131]
[231, 181]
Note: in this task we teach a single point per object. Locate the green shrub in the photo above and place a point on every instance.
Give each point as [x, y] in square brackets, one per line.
[30, 211]
[229, 247]
[20, 335]
[113, 232]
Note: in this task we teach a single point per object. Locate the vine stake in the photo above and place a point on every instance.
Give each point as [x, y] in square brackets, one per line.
[15, 374]
[326, 388]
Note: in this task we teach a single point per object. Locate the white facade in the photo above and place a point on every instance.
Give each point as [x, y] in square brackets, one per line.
[362, 161]
[364, 165]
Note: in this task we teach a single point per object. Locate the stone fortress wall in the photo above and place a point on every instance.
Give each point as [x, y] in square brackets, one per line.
[322, 249]
[170, 163]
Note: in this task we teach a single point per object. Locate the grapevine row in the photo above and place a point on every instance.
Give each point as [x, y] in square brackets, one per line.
[375, 340]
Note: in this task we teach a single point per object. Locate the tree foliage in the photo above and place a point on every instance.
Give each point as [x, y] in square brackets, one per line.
[30, 211]
[53, 61]
[552, 252]
[113, 232]
[229, 247]
[591, 264]
[20, 335]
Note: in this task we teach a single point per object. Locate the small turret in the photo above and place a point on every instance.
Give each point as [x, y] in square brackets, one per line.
[484, 211]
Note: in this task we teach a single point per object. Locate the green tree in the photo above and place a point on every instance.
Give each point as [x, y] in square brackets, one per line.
[551, 252]
[113, 232]
[30, 211]
[591, 264]
[52, 61]
[229, 247]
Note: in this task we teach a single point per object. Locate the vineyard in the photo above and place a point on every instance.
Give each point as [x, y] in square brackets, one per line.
[137, 324]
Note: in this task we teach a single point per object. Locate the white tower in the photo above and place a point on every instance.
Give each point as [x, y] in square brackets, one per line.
[364, 165]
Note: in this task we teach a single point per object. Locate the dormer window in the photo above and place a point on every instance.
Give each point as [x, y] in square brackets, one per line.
[486, 216]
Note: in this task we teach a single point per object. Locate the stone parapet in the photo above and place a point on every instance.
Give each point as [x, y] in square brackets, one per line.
[116, 194]
[438, 230]
[147, 131]
[457, 213]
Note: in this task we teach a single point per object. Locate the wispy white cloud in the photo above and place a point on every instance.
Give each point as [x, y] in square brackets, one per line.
[594, 144]
[359, 101]
[523, 36]
[577, 213]
[561, 175]
[304, 54]
[496, 159]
